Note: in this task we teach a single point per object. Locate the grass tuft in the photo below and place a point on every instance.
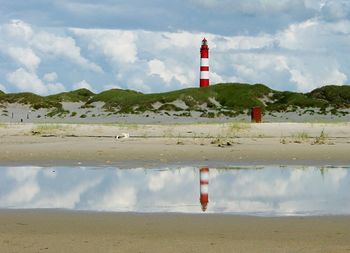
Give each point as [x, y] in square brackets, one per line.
[320, 140]
[47, 129]
[300, 137]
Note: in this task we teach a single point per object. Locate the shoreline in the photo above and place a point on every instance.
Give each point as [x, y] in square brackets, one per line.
[149, 164]
[67, 211]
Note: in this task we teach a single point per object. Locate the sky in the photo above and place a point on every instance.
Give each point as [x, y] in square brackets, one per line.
[151, 46]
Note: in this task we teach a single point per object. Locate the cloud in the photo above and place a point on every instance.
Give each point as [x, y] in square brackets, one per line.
[3, 88]
[54, 88]
[28, 188]
[28, 47]
[300, 57]
[50, 77]
[17, 30]
[118, 198]
[119, 46]
[335, 10]
[263, 7]
[27, 81]
[157, 67]
[224, 17]
[83, 84]
[307, 81]
[66, 198]
[270, 191]
[111, 86]
[54, 45]
[25, 57]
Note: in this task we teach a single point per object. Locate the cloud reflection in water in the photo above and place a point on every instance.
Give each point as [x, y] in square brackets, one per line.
[267, 191]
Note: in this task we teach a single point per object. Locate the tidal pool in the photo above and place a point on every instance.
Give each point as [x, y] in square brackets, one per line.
[262, 191]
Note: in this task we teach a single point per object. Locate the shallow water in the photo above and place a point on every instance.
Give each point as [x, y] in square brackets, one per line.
[263, 191]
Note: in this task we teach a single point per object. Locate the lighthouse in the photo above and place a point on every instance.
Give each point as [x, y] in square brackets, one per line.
[204, 68]
[204, 189]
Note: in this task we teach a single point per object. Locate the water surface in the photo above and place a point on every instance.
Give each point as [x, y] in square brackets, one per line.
[265, 191]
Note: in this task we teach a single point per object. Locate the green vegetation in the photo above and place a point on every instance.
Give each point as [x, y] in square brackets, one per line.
[300, 137]
[80, 95]
[183, 114]
[238, 126]
[321, 139]
[59, 112]
[229, 99]
[337, 96]
[207, 115]
[35, 101]
[282, 101]
[169, 107]
[235, 127]
[230, 96]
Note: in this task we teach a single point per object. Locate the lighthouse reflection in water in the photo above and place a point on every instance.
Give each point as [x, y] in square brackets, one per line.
[249, 190]
[204, 187]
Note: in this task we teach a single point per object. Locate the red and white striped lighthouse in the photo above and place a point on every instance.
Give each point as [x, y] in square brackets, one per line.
[204, 189]
[204, 74]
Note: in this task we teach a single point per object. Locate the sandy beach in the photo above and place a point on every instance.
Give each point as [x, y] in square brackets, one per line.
[268, 143]
[60, 231]
[150, 145]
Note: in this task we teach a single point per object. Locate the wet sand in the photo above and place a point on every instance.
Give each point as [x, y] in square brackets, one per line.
[61, 231]
[272, 143]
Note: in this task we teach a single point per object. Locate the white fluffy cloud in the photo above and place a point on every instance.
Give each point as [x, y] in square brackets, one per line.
[288, 59]
[54, 45]
[27, 81]
[111, 86]
[302, 56]
[82, 84]
[48, 44]
[157, 67]
[25, 57]
[17, 30]
[54, 88]
[117, 45]
[28, 188]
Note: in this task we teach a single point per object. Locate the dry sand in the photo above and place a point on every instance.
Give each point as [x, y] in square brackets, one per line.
[269, 143]
[60, 231]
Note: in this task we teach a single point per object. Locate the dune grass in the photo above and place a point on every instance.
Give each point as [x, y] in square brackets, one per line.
[230, 99]
[48, 128]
